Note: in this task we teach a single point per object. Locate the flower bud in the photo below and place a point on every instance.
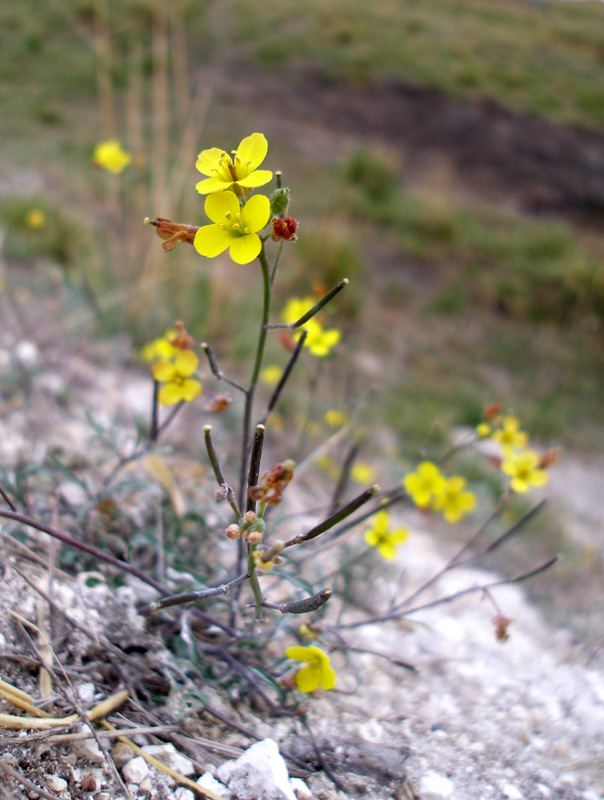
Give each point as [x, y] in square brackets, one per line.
[233, 531]
[279, 201]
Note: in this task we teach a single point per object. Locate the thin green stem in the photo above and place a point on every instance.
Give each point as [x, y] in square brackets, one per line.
[254, 582]
[249, 397]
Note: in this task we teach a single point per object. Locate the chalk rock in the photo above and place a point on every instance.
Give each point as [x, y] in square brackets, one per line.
[259, 774]
[208, 781]
[55, 784]
[136, 770]
[435, 787]
[169, 755]
[301, 790]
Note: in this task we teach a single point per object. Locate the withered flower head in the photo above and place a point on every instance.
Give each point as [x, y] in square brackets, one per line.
[284, 228]
[501, 624]
[272, 484]
[172, 232]
[181, 340]
[219, 403]
[492, 411]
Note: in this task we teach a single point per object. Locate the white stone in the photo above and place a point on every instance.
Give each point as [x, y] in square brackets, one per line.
[435, 787]
[88, 750]
[259, 774]
[27, 354]
[182, 794]
[301, 790]
[136, 770]
[85, 693]
[55, 784]
[511, 791]
[169, 755]
[208, 781]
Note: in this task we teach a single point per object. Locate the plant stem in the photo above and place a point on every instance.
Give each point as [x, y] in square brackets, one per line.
[249, 397]
[254, 582]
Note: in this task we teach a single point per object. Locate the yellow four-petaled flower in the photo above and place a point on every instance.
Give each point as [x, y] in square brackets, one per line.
[317, 670]
[525, 470]
[238, 173]
[234, 227]
[385, 538]
[176, 377]
[111, 156]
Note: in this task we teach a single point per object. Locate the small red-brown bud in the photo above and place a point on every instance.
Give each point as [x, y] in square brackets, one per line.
[254, 537]
[492, 411]
[501, 624]
[182, 340]
[219, 403]
[550, 457]
[233, 531]
[284, 229]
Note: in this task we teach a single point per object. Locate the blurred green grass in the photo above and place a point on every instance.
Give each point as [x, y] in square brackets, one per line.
[461, 302]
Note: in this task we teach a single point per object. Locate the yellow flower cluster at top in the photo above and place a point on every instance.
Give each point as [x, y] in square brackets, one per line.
[430, 489]
[230, 178]
[319, 341]
[173, 363]
[525, 468]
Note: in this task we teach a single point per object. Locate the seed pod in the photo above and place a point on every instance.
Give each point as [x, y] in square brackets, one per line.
[308, 604]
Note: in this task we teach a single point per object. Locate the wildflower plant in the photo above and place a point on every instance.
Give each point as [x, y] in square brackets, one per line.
[264, 568]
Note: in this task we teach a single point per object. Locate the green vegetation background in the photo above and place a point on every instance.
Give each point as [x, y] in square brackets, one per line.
[455, 301]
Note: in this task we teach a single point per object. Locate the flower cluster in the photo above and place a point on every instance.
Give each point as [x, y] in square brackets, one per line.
[319, 340]
[525, 468]
[174, 362]
[430, 489]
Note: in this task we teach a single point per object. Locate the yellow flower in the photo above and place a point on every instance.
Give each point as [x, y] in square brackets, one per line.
[318, 670]
[159, 348]
[175, 375]
[296, 307]
[35, 219]
[271, 374]
[509, 436]
[382, 537]
[111, 156]
[234, 227]
[361, 472]
[524, 470]
[426, 483]
[305, 630]
[239, 173]
[484, 430]
[453, 501]
[319, 341]
[335, 418]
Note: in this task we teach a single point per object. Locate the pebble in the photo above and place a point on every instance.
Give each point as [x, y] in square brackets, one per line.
[259, 772]
[435, 787]
[182, 794]
[136, 770]
[55, 784]
[512, 792]
[301, 790]
[169, 755]
[208, 781]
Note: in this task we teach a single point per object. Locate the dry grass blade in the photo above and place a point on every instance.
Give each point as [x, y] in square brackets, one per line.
[154, 762]
[8, 770]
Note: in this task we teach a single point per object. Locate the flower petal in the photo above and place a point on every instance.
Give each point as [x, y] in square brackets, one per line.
[212, 240]
[217, 206]
[190, 389]
[169, 394]
[299, 653]
[211, 185]
[163, 371]
[185, 363]
[258, 178]
[209, 159]
[252, 152]
[307, 679]
[328, 676]
[245, 248]
[256, 212]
